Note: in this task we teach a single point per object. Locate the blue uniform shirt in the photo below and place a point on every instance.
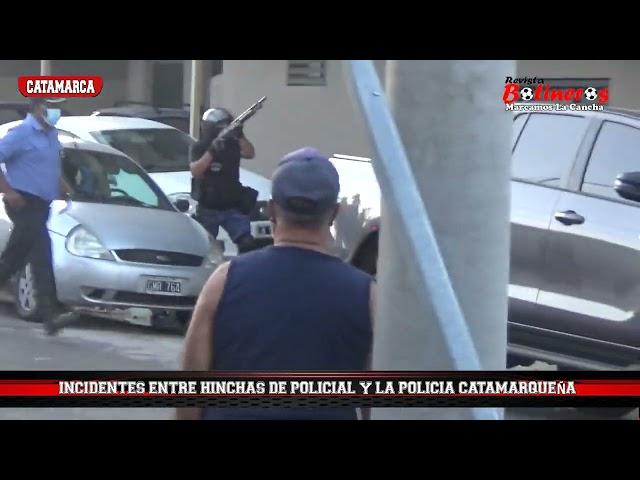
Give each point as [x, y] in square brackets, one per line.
[31, 155]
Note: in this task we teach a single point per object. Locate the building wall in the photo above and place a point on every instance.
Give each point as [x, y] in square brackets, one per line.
[293, 116]
[624, 75]
[10, 70]
[114, 73]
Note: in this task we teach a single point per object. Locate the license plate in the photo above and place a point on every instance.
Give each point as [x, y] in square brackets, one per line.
[167, 287]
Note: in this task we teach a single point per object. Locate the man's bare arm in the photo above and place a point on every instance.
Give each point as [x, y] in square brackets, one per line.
[198, 352]
[202, 165]
[246, 148]
[10, 195]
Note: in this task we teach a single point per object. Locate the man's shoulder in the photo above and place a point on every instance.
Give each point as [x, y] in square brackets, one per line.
[250, 257]
[20, 130]
[357, 272]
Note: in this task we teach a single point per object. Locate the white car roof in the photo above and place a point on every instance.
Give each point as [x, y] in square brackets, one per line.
[100, 123]
[69, 141]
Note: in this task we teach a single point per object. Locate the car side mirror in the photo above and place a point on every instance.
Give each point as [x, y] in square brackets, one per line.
[627, 185]
[182, 205]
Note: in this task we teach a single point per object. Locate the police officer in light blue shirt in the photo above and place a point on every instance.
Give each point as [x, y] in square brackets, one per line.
[31, 155]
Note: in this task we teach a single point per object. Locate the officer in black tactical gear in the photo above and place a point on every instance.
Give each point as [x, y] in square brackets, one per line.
[215, 167]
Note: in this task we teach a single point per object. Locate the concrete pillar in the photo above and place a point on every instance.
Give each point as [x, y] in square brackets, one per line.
[197, 96]
[45, 67]
[457, 137]
[138, 81]
[381, 68]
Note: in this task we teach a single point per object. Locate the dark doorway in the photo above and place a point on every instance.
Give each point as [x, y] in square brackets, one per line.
[168, 84]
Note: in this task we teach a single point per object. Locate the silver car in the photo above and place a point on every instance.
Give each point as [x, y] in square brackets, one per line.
[163, 151]
[574, 288]
[120, 247]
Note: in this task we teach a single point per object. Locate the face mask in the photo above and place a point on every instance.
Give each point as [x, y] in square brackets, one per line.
[53, 115]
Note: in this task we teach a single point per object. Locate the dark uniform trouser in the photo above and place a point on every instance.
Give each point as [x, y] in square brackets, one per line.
[30, 242]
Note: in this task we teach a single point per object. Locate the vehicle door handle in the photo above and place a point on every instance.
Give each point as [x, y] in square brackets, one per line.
[569, 217]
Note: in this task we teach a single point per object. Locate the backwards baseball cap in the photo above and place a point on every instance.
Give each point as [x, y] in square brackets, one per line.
[305, 182]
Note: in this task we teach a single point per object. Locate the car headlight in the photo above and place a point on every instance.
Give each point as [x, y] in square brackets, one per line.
[174, 197]
[83, 243]
[216, 252]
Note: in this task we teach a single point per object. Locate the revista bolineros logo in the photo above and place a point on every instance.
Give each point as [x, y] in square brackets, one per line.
[60, 86]
[532, 93]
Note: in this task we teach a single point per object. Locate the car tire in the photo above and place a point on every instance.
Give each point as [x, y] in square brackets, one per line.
[28, 301]
[184, 318]
[607, 412]
[604, 412]
[170, 322]
[518, 360]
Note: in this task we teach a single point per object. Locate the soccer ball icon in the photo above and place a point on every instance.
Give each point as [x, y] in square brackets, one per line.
[526, 94]
[591, 93]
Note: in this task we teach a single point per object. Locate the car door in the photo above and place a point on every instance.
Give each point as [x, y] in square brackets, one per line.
[544, 153]
[591, 286]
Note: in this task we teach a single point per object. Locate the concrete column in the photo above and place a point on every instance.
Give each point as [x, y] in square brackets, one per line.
[457, 137]
[197, 95]
[138, 81]
[45, 67]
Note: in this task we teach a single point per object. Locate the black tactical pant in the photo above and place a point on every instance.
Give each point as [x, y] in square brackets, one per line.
[30, 242]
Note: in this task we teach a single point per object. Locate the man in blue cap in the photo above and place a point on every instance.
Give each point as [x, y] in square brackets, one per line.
[31, 155]
[289, 307]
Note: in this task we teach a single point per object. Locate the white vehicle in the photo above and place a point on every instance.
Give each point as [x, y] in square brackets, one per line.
[163, 151]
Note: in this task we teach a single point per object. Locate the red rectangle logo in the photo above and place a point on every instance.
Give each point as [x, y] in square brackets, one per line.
[60, 86]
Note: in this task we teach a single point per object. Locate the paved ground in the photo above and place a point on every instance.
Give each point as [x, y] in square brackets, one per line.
[88, 345]
[95, 344]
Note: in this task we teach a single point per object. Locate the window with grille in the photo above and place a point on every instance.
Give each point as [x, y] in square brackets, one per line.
[306, 73]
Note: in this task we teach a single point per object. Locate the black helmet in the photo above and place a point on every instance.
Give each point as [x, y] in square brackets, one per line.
[217, 117]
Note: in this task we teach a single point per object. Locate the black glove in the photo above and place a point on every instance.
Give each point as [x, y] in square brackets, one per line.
[216, 146]
[238, 133]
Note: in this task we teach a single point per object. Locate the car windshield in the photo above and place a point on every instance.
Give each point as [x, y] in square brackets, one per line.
[104, 178]
[156, 149]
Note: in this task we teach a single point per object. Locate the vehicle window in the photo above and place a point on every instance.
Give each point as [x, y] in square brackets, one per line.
[617, 150]
[547, 148]
[156, 149]
[518, 122]
[104, 178]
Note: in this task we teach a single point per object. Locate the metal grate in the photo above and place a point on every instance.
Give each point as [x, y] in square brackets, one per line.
[307, 73]
[159, 258]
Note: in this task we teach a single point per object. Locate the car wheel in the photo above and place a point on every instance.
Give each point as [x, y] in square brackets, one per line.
[604, 412]
[170, 321]
[607, 412]
[28, 301]
[184, 318]
[517, 360]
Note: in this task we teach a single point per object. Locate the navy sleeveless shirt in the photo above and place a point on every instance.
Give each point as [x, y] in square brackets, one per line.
[291, 309]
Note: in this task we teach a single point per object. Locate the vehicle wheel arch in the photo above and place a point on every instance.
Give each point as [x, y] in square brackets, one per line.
[365, 255]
